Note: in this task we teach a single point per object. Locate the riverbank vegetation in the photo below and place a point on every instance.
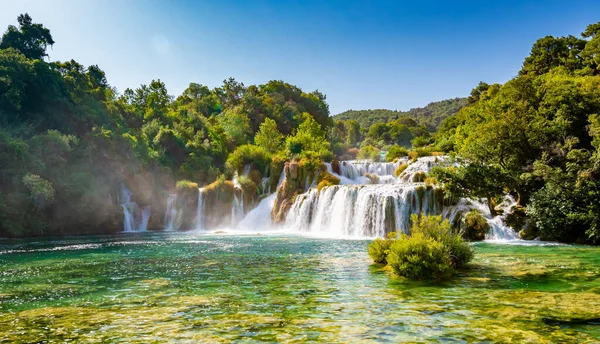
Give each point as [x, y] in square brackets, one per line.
[536, 137]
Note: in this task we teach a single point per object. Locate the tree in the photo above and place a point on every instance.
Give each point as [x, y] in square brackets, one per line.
[308, 139]
[591, 52]
[352, 133]
[30, 39]
[268, 137]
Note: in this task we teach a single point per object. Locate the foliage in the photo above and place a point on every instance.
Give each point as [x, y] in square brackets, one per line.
[30, 39]
[429, 116]
[395, 152]
[41, 191]
[186, 185]
[248, 155]
[432, 251]
[309, 140]
[268, 137]
[326, 179]
[380, 248]
[368, 152]
[535, 137]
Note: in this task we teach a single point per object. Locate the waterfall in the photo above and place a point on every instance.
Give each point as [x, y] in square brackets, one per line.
[146, 212]
[135, 220]
[237, 210]
[361, 210]
[258, 218]
[199, 209]
[172, 215]
[367, 206]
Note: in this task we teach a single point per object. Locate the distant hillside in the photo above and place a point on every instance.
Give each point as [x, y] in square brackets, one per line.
[431, 115]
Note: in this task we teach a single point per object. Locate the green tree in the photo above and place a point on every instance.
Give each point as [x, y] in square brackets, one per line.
[268, 137]
[29, 38]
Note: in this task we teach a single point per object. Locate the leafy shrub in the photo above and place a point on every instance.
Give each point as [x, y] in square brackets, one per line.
[184, 185]
[395, 152]
[400, 169]
[248, 154]
[419, 141]
[309, 140]
[369, 152]
[432, 251]
[380, 248]
[419, 177]
[476, 226]
[419, 257]
[430, 181]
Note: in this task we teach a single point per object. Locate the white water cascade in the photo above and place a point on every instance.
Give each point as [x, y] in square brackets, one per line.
[135, 220]
[360, 208]
[259, 218]
[199, 212]
[172, 214]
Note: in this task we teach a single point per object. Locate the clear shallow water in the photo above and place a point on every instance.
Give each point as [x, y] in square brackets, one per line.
[213, 288]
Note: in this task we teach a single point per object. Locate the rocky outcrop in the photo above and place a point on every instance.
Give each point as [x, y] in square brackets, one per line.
[297, 175]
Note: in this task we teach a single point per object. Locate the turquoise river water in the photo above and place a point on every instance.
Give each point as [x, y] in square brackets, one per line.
[285, 288]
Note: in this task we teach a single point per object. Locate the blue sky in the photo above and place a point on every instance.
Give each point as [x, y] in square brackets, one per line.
[361, 54]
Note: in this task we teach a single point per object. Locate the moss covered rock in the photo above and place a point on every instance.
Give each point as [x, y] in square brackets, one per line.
[401, 168]
[373, 178]
[297, 175]
[475, 226]
[218, 200]
[326, 179]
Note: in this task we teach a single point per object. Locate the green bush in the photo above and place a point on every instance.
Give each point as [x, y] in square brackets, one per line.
[432, 251]
[395, 152]
[249, 154]
[184, 185]
[379, 249]
[368, 152]
[419, 257]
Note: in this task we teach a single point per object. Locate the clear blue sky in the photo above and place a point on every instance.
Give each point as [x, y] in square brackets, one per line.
[361, 54]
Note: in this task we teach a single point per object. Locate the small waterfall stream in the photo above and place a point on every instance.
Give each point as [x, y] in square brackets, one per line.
[135, 219]
[172, 214]
[199, 211]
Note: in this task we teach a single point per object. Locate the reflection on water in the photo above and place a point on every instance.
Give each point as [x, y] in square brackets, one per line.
[212, 288]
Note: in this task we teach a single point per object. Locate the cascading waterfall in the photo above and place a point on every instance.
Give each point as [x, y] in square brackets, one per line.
[237, 210]
[135, 220]
[259, 218]
[199, 211]
[172, 214]
[146, 212]
[359, 208]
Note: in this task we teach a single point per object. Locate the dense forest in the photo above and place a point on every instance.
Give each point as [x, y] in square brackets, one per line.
[430, 116]
[68, 139]
[538, 138]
